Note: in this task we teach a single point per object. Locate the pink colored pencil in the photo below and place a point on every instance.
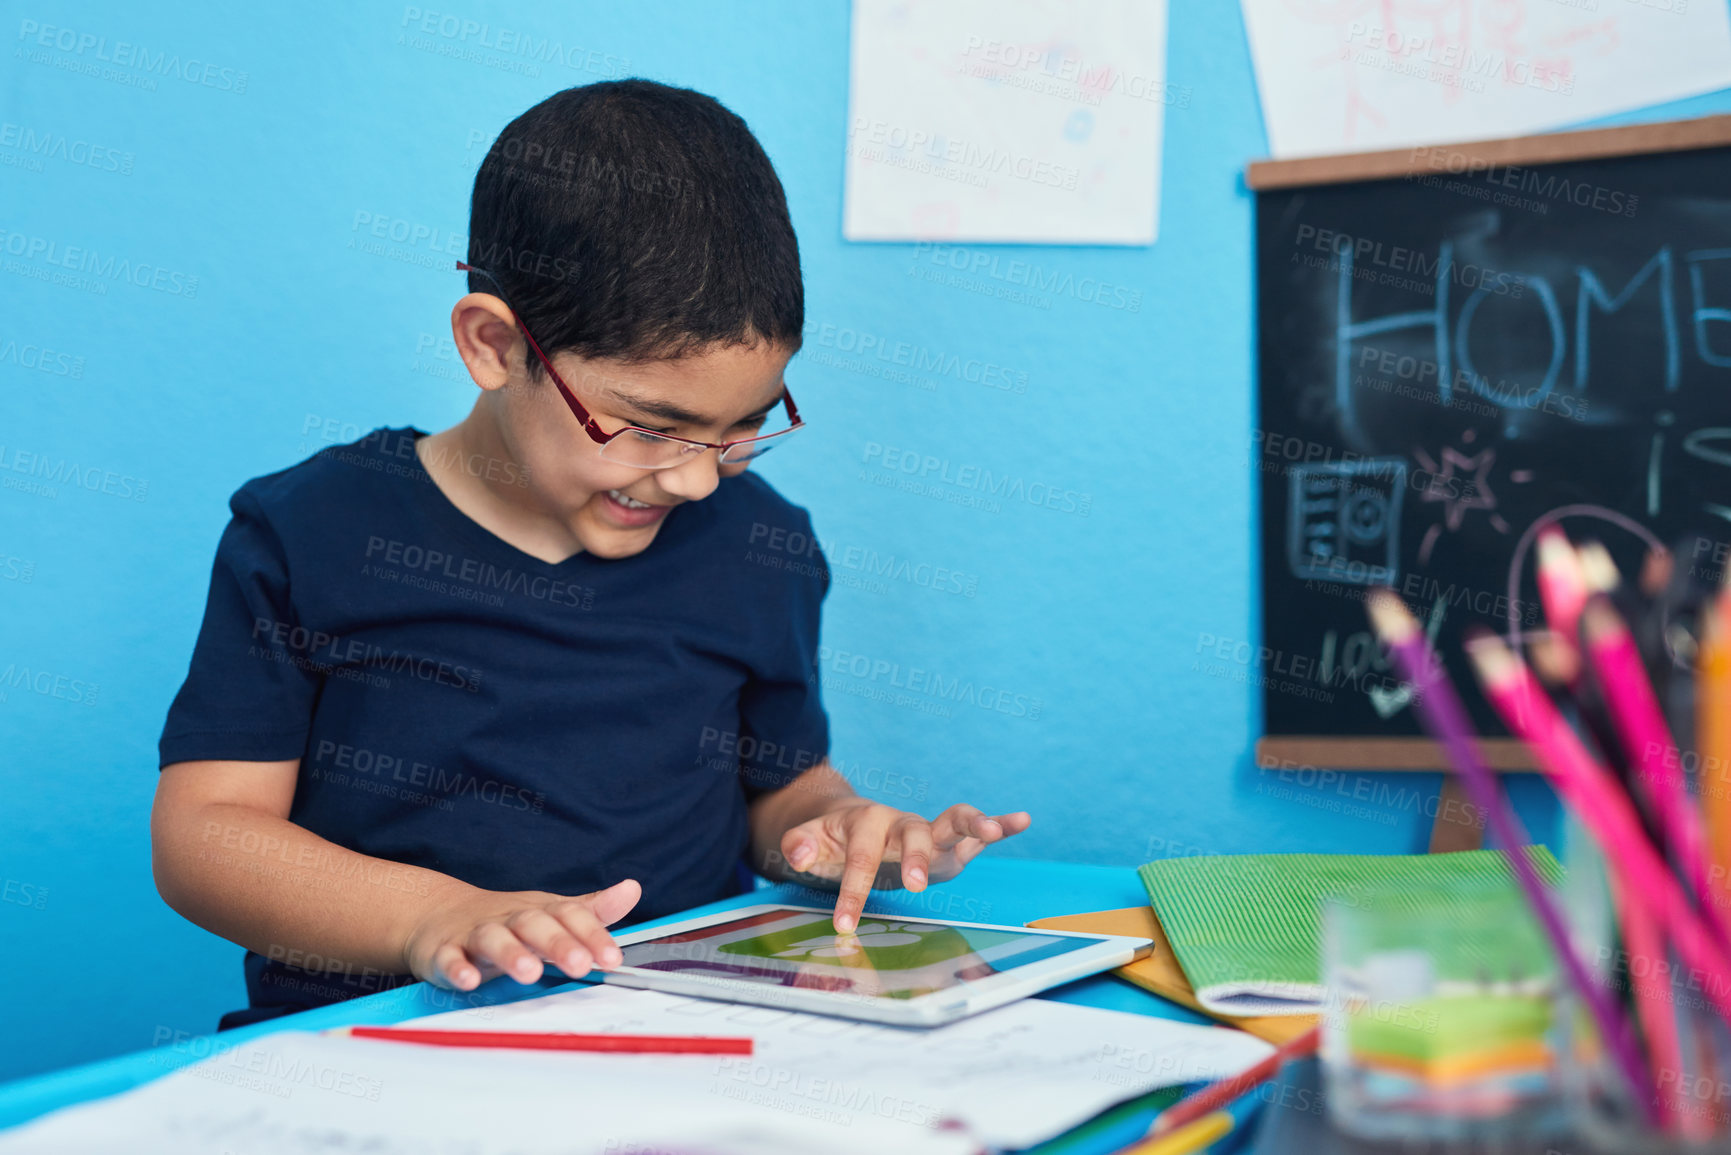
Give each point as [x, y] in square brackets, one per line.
[1435, 700]
[1653, 1006]
[1562, 585]
[1588, 789]
[1635, 713]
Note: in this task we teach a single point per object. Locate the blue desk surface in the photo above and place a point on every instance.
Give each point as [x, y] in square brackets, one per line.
[1000, 890]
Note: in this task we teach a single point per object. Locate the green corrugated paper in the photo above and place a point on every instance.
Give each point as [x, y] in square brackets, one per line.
[1246, 928]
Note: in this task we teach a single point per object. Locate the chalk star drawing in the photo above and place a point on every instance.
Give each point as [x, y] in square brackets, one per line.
[1474, 492]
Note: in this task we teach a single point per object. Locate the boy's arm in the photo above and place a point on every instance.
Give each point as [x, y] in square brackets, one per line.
[226, 856]
[817, 830]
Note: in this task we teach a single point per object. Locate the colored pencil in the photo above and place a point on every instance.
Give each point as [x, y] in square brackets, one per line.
[1186, 1139]
[1642, 886]
[1599, 571]
[1713, 740]
[1562, 582]
[1591, 709]
[1435, 701]
[1657, 569]
[1654, 1007]
[1217, 1095]
[1566, 579]
[1647, 741]
[1607, 812]
[560, 1041]
[1555, 659]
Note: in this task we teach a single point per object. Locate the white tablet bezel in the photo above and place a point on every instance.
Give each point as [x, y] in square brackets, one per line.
[970, 997]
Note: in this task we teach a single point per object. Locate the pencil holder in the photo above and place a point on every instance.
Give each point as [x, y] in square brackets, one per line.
[1440, 1020]
[1692, 1090]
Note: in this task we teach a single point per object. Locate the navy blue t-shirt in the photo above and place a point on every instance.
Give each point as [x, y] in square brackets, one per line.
[461, 705]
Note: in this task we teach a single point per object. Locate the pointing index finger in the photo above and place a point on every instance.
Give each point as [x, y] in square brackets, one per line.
[864, 851]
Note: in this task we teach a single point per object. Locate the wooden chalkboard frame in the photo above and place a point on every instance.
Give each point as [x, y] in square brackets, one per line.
[1393, 753]
[1475, 156]
[1286, 751]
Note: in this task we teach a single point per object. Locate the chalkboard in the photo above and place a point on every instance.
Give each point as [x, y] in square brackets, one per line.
[1452, 353]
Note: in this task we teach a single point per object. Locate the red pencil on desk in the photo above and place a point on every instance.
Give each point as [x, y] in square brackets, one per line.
[1218, 1095]
[560, 1041]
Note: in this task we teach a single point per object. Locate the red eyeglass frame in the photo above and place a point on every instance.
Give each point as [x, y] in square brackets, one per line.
[588, 422]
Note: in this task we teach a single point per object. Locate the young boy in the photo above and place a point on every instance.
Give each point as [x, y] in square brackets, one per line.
[462, 701]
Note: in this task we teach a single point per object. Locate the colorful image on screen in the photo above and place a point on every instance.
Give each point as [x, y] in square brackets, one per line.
[890, 958]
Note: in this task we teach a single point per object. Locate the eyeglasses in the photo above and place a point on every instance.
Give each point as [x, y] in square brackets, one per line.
[645, 448]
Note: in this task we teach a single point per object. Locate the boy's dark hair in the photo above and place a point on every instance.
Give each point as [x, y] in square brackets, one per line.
[630, 220]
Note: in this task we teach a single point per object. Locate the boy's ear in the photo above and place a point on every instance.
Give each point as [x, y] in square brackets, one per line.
[485, 334]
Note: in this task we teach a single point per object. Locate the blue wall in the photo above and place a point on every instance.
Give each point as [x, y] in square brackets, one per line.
[303, 329]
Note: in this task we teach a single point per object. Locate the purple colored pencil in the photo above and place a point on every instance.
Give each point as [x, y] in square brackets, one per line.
[1440, 708]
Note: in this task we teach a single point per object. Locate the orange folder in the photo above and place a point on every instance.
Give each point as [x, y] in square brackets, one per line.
[1160, 973]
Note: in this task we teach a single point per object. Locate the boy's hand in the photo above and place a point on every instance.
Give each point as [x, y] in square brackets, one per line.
[854, 837]
[482, 934]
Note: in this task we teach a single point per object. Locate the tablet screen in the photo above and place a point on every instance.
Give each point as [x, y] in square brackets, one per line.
[891, 958]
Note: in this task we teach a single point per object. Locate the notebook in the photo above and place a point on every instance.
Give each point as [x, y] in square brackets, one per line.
[1246, 928]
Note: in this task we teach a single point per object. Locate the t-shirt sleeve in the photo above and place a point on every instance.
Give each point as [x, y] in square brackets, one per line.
[784, 730]
[249, 693]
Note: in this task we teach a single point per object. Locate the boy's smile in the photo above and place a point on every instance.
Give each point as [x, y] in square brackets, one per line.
[629, 513]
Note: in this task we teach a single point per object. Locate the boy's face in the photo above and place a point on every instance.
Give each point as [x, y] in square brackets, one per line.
[613, 510]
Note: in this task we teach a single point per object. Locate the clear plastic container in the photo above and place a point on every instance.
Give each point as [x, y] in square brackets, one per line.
[1441, 1022]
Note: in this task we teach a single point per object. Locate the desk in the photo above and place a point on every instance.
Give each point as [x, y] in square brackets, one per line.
[1000, 890]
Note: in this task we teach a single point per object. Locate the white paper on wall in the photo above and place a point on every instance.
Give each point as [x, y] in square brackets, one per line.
[1358, 75]
[1006, 120]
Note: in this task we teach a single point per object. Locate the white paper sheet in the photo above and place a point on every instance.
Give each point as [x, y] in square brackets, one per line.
[1010, 1078]
[1006, 120]
[1356, 75]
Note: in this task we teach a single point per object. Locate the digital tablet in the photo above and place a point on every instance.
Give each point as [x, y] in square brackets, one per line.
[902, 971]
